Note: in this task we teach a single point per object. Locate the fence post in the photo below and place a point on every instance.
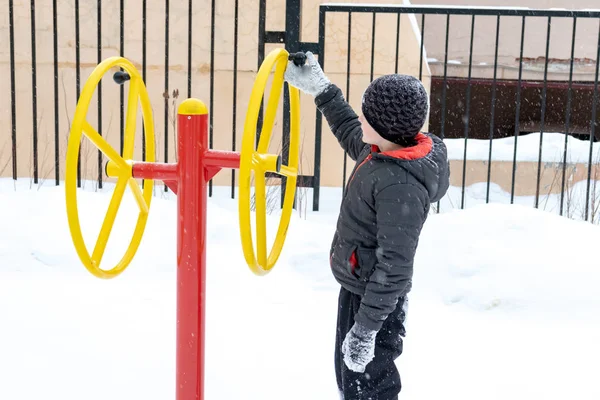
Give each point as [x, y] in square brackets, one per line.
[293, 9]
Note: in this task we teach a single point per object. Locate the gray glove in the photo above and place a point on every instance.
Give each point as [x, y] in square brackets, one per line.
[309, 78]
[359, 347]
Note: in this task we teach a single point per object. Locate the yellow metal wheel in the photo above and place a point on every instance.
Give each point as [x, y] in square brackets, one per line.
[258, 161]
[119, 167]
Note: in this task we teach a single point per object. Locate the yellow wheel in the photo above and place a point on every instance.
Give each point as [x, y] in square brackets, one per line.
[260, 162]
[119, 167]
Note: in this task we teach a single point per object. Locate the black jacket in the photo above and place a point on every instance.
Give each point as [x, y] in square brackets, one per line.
[386, 203]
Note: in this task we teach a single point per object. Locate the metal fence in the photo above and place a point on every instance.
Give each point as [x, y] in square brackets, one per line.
[73, 9]
[447, 116]
[440, 109]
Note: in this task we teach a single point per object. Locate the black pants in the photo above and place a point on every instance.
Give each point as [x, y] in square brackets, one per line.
[381, 380]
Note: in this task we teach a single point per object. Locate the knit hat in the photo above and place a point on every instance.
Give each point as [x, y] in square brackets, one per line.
[396, 106]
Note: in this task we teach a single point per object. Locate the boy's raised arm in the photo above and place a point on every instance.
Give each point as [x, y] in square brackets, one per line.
[342, 120]
[340, 116]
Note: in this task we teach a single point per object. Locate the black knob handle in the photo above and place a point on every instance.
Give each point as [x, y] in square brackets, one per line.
[299, 58]
[120, 77]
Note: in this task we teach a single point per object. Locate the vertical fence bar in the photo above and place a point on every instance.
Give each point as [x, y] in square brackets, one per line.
[122, 54]
[285, 137]
[568, 116]
[212, 85]
[445, 87]
[517, 114]
[189, 79]
[319, 118]
[467, 113]
[166, 93]
[77, 80]
[592, 135]
[397, 42]
[262, 18]
[543, 116]
[34, 94]
[372, 48]
[344, 168]
[445, 84]
[422, 47]
[99, 50]
[293, 10]
[13, 102]
[234, 108]
[144, 8]
[56, 126]
[493, 112]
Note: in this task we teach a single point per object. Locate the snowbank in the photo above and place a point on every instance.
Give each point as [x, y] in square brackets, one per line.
[505, 301]
[528, 147]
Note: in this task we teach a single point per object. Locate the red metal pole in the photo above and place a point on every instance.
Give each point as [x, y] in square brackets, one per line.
[196, 165]
[191, 249]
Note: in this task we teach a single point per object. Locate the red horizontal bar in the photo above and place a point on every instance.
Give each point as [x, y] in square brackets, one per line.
[158, 171]
[222, 159]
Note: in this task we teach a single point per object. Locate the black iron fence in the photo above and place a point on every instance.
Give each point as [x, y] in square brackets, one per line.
[499, 112]
[472, 101]
[67, 17]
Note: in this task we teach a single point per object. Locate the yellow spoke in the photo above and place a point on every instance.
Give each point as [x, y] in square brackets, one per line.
[288, 171]
[103, 145]
[139, 196]
[109, 221]
[261, 218]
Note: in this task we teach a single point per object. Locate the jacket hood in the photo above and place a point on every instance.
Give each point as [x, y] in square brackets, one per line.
[427, 162]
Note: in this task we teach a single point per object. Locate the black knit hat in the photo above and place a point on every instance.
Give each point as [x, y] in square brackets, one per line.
[396, 106]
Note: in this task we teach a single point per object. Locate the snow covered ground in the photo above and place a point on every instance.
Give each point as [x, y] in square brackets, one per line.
[505, 306]
[528, 149]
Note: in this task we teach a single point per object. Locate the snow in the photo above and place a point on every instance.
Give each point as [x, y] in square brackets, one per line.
[505, 305]
[528, 147]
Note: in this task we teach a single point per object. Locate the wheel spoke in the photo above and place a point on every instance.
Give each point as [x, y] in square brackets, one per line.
[131, 119]
[139, 196]
[288, 171]
[103, 145]
[261, 218]
[109, 221]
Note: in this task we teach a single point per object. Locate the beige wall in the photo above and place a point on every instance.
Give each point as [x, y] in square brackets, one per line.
[336, 58]
[223, 89]
[526, 175]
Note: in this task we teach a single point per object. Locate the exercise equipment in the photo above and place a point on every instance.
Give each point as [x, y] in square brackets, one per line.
[120, 167]
[188, 178]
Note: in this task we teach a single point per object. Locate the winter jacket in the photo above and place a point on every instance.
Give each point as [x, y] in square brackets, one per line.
[385, 205]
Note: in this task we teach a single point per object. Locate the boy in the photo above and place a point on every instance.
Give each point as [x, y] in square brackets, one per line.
[399, 172]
